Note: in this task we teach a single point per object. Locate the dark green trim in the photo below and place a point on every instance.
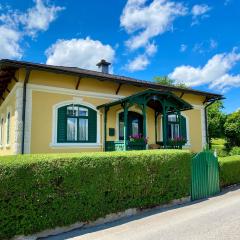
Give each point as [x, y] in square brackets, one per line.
[144, 121]
[125, 126]
[105, 126]
[164, 124]
[144, 96]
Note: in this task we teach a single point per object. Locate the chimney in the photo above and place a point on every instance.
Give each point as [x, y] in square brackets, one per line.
[104, 66]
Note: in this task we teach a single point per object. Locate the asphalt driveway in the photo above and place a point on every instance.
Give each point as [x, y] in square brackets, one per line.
[215, 218]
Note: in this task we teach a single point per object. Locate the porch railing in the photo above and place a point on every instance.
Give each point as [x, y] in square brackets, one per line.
[171, 145]
[119, 146]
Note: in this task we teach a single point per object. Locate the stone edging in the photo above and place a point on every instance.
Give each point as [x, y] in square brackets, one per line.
[107, 219]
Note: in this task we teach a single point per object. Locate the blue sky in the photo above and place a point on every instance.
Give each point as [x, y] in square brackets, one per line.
[195, 42]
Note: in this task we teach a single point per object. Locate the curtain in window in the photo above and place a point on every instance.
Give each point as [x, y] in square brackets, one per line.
[72, 129]
[121, 130]
[135, 124]
[83, 129]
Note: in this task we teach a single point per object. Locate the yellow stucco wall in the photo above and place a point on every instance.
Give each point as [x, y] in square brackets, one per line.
[8, 106]
[45, 95]
[195, 129]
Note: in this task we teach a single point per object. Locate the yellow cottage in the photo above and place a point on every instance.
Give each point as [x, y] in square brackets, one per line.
[52, 109]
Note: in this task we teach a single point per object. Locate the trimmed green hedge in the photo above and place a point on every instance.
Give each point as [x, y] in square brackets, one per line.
[235, 151]
[229, 170]
[39, 192]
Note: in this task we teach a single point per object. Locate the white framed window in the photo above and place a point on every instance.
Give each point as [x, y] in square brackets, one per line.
[1, 131]
[8, 118]
[75, 124]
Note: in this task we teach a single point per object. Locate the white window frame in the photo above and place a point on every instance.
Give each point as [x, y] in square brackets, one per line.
[8, 128]
[55, 144]
[1, 131]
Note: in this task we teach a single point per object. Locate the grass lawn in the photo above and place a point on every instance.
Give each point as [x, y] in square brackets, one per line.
[218, 145]
[218, 142]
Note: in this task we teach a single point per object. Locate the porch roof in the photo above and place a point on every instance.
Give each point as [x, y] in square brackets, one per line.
[153, 99]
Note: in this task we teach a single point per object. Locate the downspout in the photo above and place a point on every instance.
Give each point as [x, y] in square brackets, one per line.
[24, 107]
[206, 120]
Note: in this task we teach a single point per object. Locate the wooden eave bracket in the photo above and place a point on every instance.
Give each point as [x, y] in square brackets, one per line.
[78, 82]
[182, 94]
[118, 89]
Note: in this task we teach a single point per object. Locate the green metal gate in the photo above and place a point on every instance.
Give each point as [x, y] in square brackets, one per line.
[205, 175]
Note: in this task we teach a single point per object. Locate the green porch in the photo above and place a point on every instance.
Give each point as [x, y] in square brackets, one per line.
[164, 104]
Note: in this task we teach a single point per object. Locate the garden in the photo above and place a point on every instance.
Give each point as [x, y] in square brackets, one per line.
[224, 130]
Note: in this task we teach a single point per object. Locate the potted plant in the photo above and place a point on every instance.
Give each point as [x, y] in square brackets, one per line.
[137, 142]
[177, 142]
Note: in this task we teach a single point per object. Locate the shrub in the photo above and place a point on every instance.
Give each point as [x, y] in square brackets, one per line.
[235, 151]
[39, 192]
[229, 170]
[232, 129]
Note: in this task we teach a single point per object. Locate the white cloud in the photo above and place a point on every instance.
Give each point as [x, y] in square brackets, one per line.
[39, 17]
[147, 21]
[183, 47]
[205, 46]
[16, 25]
[141, 61]
[9, 43]
[199, 11]
[138, 63]
[213, 43]
[83, 53]
[215, 73]
[151, 49]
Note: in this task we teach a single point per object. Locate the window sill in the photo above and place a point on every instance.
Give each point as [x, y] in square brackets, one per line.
[75, 145]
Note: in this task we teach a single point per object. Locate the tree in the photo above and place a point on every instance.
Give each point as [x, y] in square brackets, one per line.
[216, 120]
[232, 129]
[169, 82]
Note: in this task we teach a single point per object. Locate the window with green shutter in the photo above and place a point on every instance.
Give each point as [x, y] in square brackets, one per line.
[176, 127]
[76, 124]
[1, 131]
[8, 128]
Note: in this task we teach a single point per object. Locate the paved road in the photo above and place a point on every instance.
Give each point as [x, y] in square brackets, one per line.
[217, 218]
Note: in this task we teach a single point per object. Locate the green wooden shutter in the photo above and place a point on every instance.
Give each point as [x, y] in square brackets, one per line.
[62, 125]
[92, 125]
[184, 127]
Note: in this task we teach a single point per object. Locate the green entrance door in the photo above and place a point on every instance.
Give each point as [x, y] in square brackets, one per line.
[134, 124]
[205, 175]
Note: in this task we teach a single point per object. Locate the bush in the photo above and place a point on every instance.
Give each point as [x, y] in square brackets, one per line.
[235, 151]
[39, 192]
[221, 152]
[232, 129]
[229, 170]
